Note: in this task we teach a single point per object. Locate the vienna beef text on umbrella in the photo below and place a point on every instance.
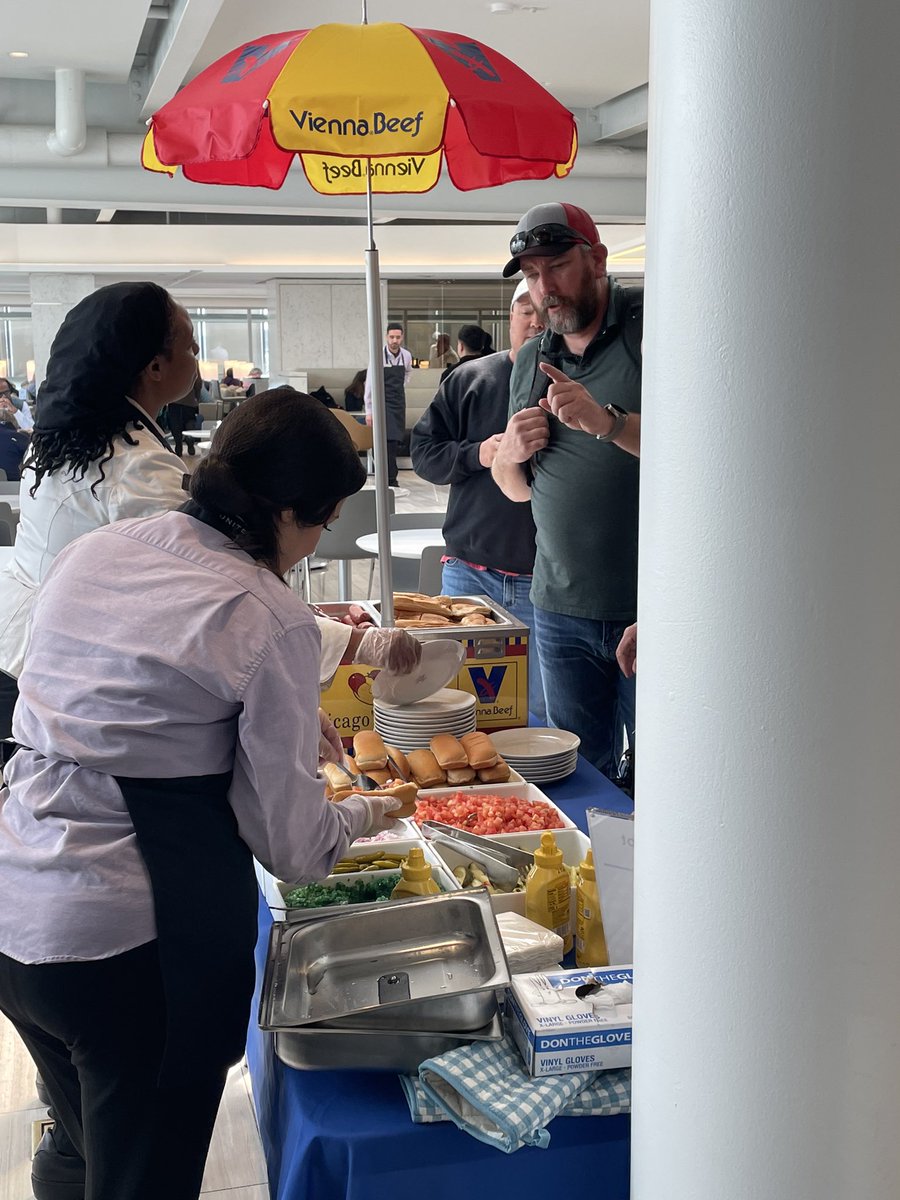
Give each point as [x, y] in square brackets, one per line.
[366, 109]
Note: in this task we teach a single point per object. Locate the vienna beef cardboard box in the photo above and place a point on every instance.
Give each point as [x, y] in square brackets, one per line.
[565, 1021]
[495, 671]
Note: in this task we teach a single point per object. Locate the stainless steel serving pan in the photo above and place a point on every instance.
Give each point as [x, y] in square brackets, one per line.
[325, 1048]
[420, 954]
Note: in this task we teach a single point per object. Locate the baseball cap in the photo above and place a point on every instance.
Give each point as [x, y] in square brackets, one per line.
[521, 290]
[550, 229]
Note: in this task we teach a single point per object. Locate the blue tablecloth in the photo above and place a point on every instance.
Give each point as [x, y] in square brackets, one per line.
[347, 1135]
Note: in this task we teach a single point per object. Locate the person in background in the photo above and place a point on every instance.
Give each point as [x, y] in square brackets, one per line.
[170, 732]
[489, 539]
[397, 367]
[441, 355]
[8, 410]
[183, 415]
[253, 377]
[571, 450]
[355, 394]
[13, 444]
[472, 342]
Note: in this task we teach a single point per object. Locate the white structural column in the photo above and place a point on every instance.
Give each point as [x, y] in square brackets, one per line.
[52, 296]
[315, 324]
[767, 1015]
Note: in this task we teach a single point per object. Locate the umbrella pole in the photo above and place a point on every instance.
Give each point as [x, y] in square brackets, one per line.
[379, 428]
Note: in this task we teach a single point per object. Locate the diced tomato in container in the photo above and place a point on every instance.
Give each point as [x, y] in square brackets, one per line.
[488, 814]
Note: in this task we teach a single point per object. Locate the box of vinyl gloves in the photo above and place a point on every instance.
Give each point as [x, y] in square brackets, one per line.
[564, 1021]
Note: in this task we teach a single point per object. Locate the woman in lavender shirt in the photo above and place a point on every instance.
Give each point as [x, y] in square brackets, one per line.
[169, 730]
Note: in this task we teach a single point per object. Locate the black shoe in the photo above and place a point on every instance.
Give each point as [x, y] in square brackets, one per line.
[56, 1176]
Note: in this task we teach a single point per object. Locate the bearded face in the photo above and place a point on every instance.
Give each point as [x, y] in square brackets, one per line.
[573, 300]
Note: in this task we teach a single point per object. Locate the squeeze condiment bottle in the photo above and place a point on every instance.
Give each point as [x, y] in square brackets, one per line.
[547, 891]
[590, 940]
[416, 877]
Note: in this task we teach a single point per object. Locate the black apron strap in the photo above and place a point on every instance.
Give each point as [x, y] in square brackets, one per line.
[205, 901]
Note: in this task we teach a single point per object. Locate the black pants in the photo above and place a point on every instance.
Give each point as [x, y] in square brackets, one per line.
[181, 417]
[392, 450]
[95, 1031]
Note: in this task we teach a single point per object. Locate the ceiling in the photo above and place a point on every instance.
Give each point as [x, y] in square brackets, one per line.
[591, 54]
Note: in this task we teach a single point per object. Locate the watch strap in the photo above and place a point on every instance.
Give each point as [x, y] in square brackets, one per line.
[619, 416]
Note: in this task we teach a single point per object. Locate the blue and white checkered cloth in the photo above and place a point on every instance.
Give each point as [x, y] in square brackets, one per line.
[484, 1088]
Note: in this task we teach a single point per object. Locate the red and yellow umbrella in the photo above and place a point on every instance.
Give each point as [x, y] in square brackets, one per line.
[366, 109]
[376, 104]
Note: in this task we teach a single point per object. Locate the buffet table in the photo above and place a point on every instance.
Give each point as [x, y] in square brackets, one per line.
[347, 1135]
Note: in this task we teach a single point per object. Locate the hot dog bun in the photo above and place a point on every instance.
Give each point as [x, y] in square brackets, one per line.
[479, 749]
[405, 794]
[455, 777]
[399, 758]
[425, 768]
[449, 751]
[498, 773]
[369, 751]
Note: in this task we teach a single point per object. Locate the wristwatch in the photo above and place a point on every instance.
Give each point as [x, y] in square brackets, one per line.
[619, 416]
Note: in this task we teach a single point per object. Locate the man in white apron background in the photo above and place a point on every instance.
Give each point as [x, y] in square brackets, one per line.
[397, 365]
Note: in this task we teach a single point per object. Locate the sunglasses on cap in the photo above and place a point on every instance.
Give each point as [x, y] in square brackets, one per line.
[544, 235]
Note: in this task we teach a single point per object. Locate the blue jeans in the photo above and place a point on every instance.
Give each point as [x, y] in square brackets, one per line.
[585, 690]
[510, 591]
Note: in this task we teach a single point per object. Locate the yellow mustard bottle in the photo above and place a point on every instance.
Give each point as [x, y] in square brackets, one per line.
[590, 940]
[547, 891]
[416, 877]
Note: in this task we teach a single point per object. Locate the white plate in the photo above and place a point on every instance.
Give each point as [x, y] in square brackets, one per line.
[443, 703]
[440, 662]
[534, 743]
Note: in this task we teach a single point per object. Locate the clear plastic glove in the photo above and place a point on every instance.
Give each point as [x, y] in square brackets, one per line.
[393, 649]
[380, 808]
[330, 746]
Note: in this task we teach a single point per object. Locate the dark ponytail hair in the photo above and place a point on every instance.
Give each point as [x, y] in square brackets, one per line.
[278, 450]
[475, 339]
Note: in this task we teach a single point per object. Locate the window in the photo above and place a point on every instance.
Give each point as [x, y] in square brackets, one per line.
[231, 335]
[16, 346]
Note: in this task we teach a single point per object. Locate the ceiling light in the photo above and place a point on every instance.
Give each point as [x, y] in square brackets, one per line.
[18, 54]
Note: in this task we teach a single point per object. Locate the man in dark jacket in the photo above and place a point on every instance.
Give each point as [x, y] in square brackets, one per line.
[489, 539]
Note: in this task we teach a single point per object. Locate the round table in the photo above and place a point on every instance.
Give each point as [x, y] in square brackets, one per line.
[405, 543]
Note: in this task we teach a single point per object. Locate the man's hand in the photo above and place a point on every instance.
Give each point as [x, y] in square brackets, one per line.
[369, 419]
[573, 404]
[528, 432]
[487, 451]
[626, 651]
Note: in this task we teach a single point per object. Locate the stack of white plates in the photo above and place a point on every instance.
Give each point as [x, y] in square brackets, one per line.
[412, 726]
[539, 755]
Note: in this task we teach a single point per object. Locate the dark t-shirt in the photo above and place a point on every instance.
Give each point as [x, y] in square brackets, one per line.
[482, 526]
[584, 493]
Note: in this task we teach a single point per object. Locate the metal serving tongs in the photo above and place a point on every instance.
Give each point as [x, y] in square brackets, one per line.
[502, 864]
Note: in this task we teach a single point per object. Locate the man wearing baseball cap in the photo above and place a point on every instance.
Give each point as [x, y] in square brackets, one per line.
[489, 540]
[571, 448]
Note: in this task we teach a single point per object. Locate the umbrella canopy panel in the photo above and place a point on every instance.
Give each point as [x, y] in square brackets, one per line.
[363, 105]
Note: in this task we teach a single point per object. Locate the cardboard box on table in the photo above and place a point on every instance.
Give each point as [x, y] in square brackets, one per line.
[495, 671]
[557, 1032]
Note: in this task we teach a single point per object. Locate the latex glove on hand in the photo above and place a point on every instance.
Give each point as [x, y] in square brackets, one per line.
[393, 649]
[380, 809]
[330, 746]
